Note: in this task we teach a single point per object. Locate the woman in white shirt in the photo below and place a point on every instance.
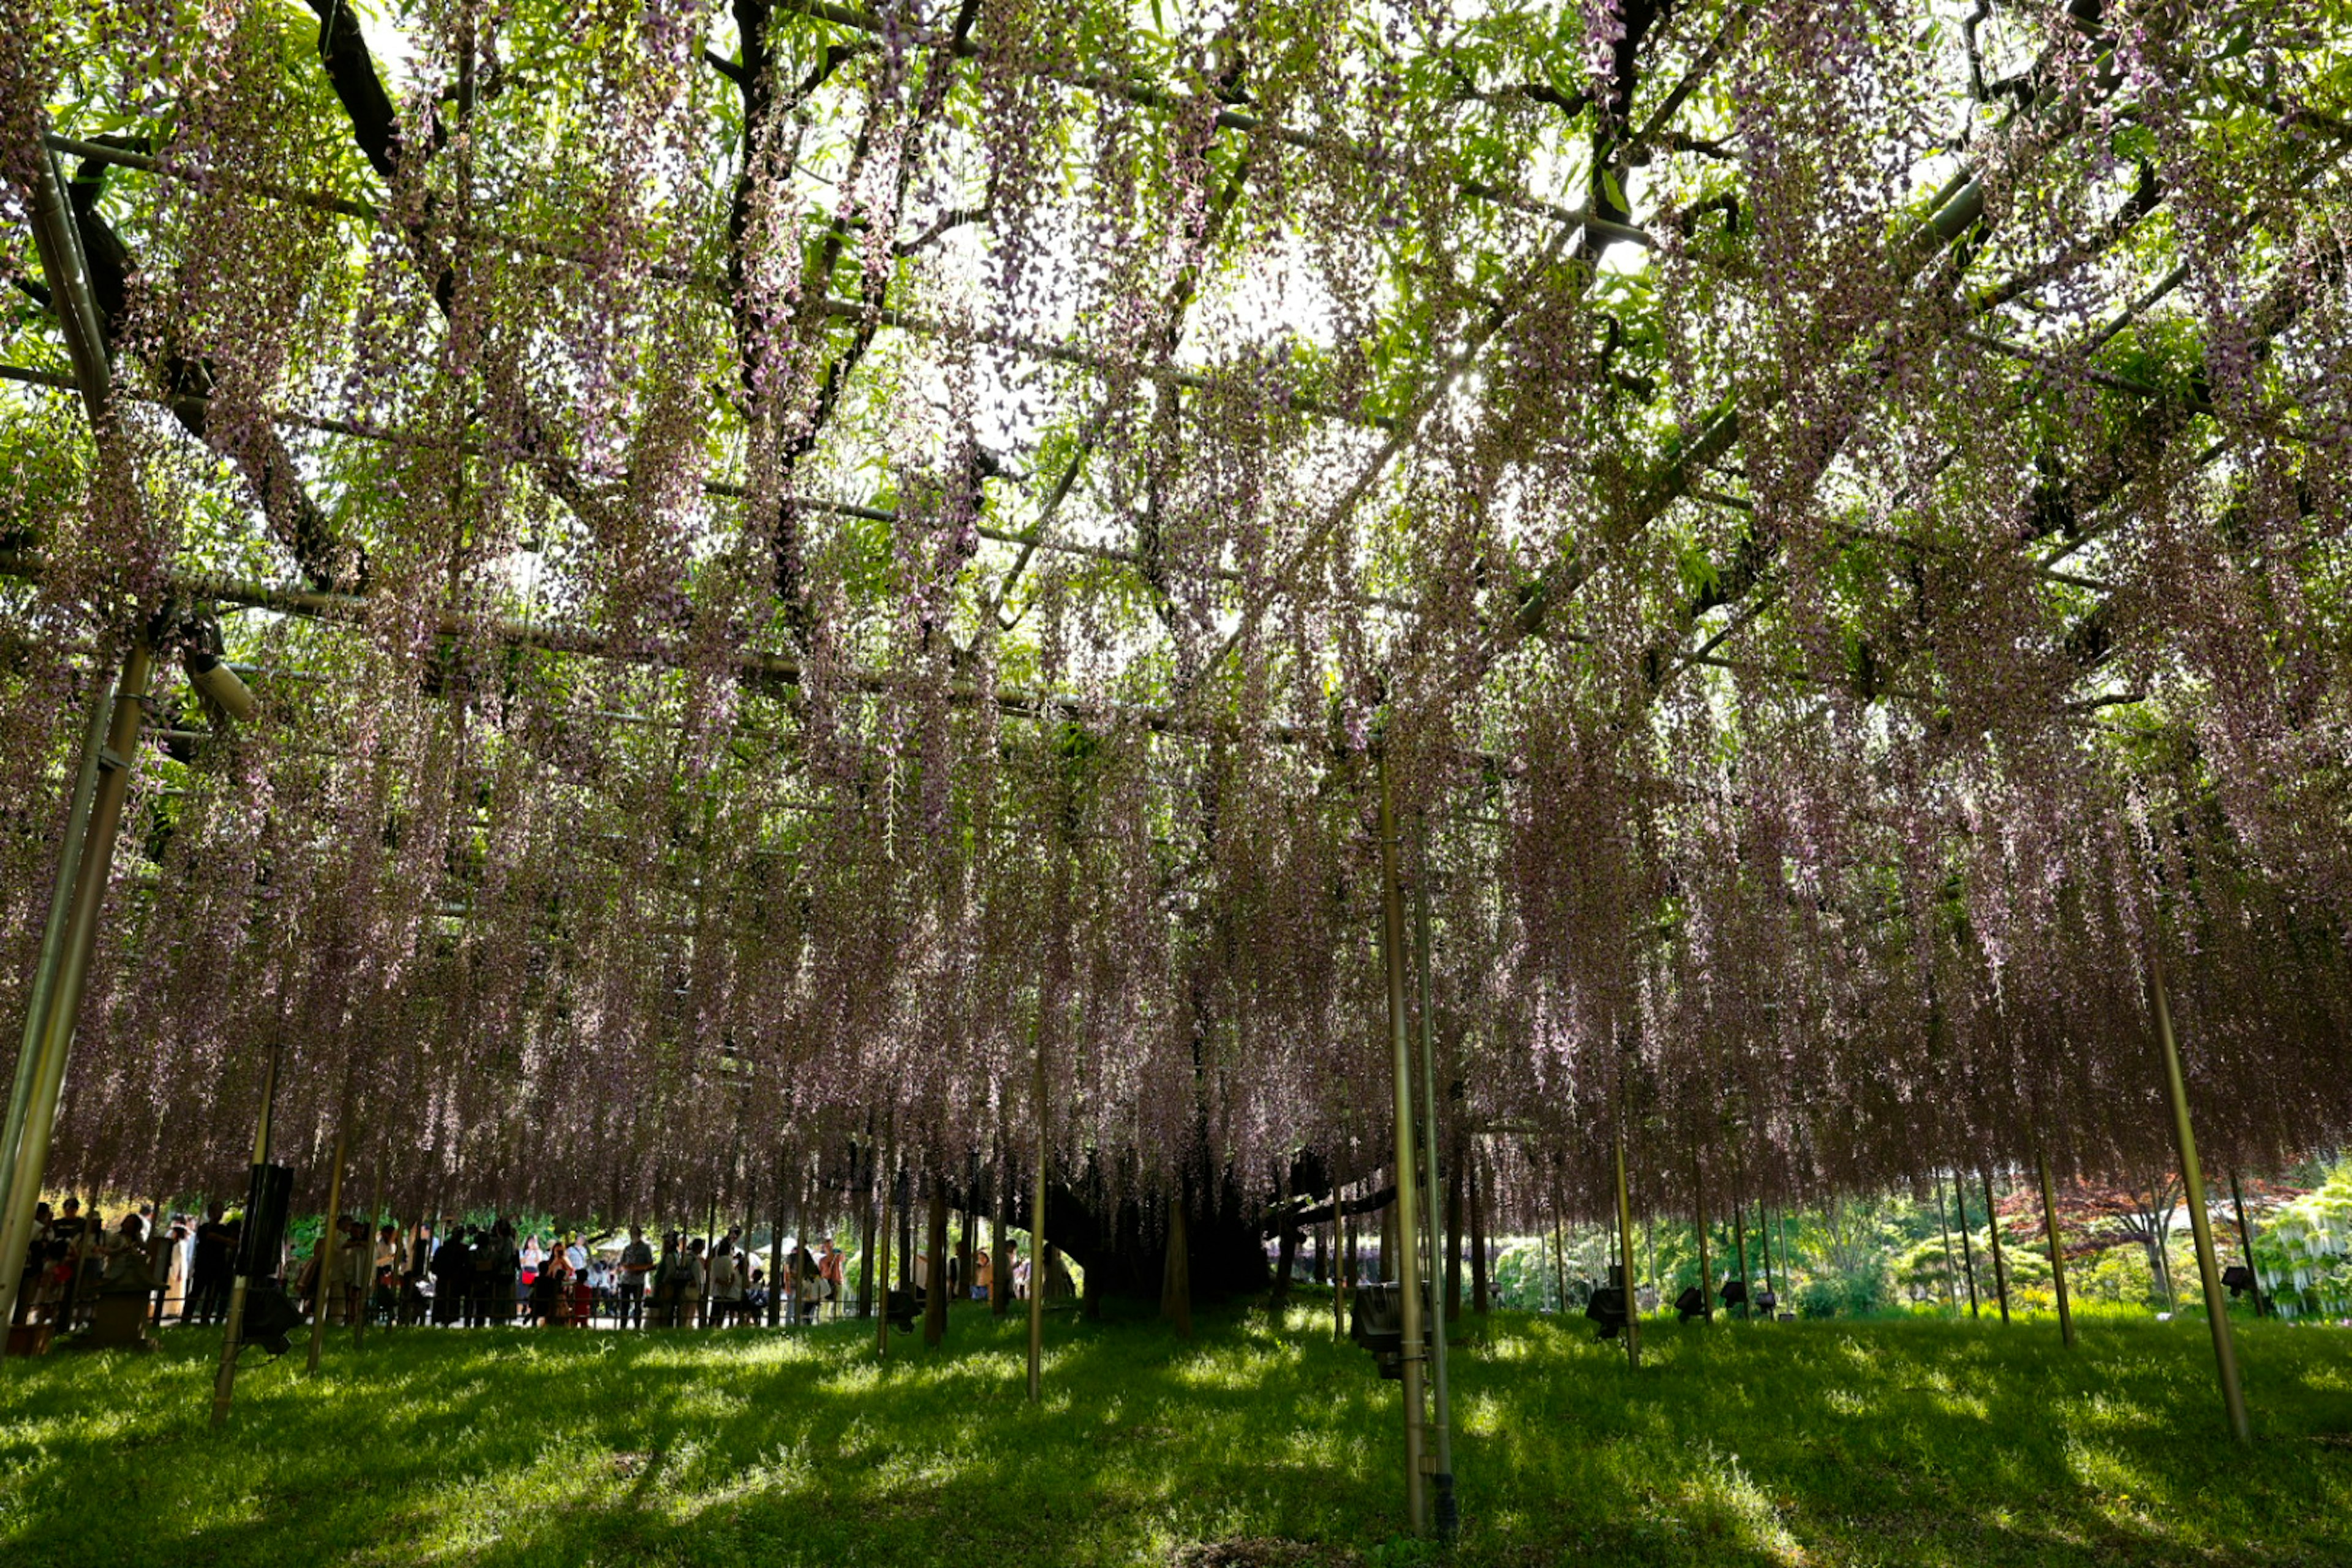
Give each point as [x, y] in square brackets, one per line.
[725, 1293]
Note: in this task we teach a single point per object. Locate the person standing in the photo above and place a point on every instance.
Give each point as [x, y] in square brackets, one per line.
[693, 1279]
[453, 1280]
[69, 1236]
[355, 1257]
[208, 1270]
[726, 1285]
[497, 1264]
[636, 1263]
[983, 1275]
[832, 1268]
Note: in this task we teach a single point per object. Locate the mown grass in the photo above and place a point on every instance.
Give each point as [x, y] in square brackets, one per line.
[1261, 1442]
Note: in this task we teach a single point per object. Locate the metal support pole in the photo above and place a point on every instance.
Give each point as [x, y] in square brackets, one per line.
[1967, 1247]
[1993, 1229]
[1407, 1199]
[1037, 1276]
[776, 1252]
[999, 1210]
[15, 1235]
[1952, 1272]
[2246, 1241]
[1339, 1280]
[375, 1211]
[225, 1381]
[889, 1189]
[1448, 1513]
[2057, 1252]
[91, 874]
[329, 1287]
[1626, 1252]
[1706, 1268]
[1739, 1240]
[1558, 1249]
[2192, 1180]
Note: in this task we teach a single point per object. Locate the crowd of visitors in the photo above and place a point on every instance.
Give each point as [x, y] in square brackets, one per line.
[472, 1275]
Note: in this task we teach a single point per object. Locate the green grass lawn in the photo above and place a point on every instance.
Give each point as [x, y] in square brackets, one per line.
[1261, 1442]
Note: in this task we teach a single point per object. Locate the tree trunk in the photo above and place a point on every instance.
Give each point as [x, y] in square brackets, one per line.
[866, 1195]
[963, 1250]
[905, 1202]
[1285, 1258]
[935, 1289]
[1125, 1257]
[1739, 1245]
[1000, 1256]
[1453, 1242]
[1348, 1262]
[1479, 1295]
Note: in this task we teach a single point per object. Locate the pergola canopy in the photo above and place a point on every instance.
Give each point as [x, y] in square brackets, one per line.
[793, 556]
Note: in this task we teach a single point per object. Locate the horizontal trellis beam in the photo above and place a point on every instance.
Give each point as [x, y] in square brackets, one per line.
[716, 286]
[1144, 95]
[30, 377]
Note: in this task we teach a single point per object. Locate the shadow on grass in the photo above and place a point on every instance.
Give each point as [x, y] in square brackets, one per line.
[1922, 1442]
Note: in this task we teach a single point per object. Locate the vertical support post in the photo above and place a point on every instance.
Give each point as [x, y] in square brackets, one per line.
[776, 1253]
[57, 1023]
[1407, 1199]
[1000, 1261]
[969, 1222]
[1558, 1249]
[1448, 1513]
[1625, 1249]
[225, 1380]
[16, 1235]
[1474, 1173]
[1739, 1240]
[1347, 1259]
[888, 1184]
[2057, 1252]
[2246, 1241]
[1951, 1272]
[1993, 1229]
[1038, 1278]
[1967, 1247]
[2192, 1180]
[935, 1242]
[1764, 1243]
[361, 1313]
[1339, 1280]
[1705, 1268]
[330, 1286]
[862, 1158]
[86, 854]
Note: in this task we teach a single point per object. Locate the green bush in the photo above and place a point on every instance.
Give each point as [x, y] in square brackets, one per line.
[1856, 1295]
